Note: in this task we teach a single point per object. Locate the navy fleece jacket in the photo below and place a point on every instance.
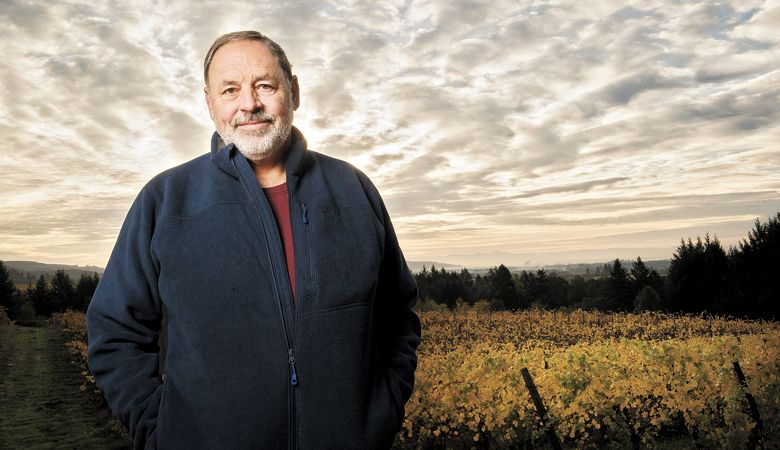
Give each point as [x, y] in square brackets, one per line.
[193, 335]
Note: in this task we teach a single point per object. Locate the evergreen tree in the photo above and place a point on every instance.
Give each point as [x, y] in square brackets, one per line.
[481, 288]
[423, 283]
[717, 278]
[7, 288]
[699, 277]
[502, 287]
[62, 291]
[620, 294]
[685, 276]
[537, 288]
[541, 289]
[556, 292]
[443, 286]
[756, 265]
[642, 277]
[528, 288]
[447, 288]
[640, 274]
[467, 286]
[41, 298]
[85, 289]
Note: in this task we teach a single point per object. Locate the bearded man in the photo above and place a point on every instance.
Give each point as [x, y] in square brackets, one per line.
[256, 296]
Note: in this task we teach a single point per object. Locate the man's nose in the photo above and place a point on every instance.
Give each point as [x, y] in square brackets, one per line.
[249, 100]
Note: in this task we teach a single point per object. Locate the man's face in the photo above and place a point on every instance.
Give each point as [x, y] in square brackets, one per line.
[250, 100]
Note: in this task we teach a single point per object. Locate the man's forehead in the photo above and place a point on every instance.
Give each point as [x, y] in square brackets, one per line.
[243, 57]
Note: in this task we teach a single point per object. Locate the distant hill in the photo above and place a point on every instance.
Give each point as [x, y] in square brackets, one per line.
[585, 269]
[25, 272]
[416, 266]
[661, 266]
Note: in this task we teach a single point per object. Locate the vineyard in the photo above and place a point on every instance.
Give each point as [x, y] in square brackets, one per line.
[607, 380]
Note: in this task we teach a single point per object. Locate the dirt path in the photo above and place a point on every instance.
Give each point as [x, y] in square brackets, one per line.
[41, 406]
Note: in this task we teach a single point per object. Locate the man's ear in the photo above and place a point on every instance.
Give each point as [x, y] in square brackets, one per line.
[208, 101]
[296, 92]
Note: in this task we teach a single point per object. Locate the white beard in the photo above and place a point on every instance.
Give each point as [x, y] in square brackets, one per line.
[259, 144]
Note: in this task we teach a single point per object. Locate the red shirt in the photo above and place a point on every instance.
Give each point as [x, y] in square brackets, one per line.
[280, 203]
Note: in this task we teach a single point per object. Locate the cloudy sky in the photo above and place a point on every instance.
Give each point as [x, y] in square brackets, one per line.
[517, 132]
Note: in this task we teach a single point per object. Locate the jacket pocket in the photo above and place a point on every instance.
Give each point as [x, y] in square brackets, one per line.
[345, 255]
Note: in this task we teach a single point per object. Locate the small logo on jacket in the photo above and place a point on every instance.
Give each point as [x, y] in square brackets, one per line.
[329, 213]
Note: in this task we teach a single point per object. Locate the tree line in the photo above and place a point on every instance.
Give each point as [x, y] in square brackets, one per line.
[46, 297]
[620, 290]
[703, 277]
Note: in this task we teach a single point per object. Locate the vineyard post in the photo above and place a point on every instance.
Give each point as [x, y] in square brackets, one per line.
[751, 401]
[549, 431]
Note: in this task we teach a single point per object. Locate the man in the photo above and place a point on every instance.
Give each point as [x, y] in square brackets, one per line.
[266, 277]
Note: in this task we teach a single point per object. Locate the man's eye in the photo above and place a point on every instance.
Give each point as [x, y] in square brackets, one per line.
[229, 91]
[265, 87]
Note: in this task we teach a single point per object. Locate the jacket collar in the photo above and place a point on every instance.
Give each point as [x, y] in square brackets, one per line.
[297, 155]
[296, 163]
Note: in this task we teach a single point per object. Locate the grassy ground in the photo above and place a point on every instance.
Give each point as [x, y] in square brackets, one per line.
[42, 407]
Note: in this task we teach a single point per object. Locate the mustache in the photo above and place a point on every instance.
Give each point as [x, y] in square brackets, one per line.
[257, 116]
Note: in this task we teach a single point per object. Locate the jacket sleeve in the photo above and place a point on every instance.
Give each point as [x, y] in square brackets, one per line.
[123, 322]
[398, 326]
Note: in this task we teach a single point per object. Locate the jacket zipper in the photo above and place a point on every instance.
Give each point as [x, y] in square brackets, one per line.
[290, 350]
[305, 220]
[293, 409]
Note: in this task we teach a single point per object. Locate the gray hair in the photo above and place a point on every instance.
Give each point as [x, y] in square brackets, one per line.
[249, 35]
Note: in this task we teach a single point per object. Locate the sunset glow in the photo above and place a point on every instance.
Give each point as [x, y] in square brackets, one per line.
[524, 133]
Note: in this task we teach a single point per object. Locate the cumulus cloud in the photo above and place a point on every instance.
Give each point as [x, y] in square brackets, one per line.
[504, 132]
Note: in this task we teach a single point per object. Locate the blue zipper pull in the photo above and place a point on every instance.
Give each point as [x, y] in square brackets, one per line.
[305, 214]
[294, 376]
